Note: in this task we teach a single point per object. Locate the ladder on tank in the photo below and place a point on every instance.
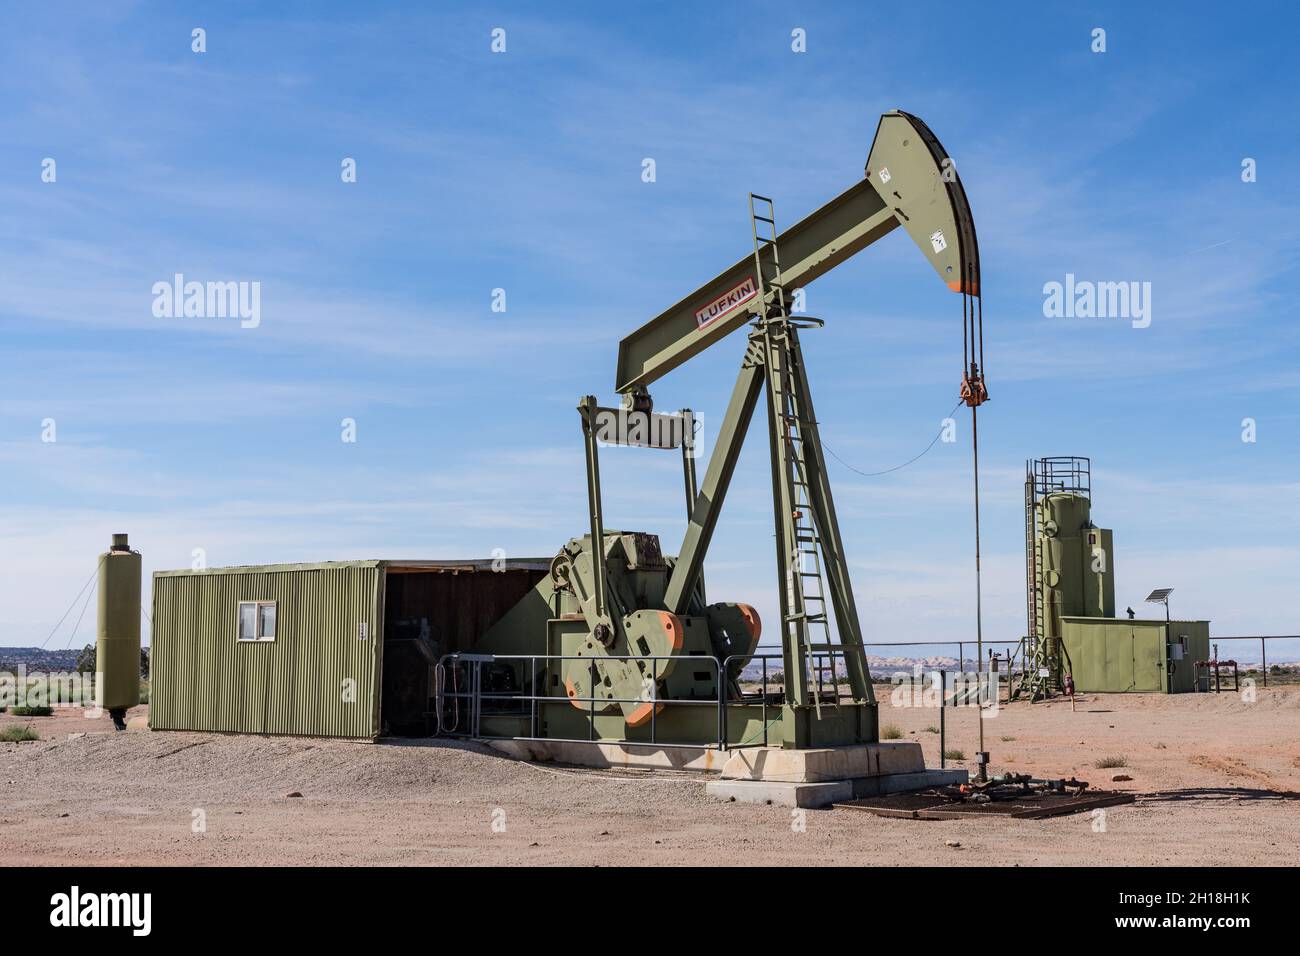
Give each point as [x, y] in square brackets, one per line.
[808, 617]
[1033, 681]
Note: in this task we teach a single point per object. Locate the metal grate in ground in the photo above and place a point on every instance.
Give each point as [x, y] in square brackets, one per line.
[942, 804]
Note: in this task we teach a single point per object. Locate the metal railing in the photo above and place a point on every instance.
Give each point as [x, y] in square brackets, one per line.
[474, 696]
[1263, 646]
[1068, 473]
[762, 693]
[816, 686]
[1017, 648]
[467, 702]
[966, 692]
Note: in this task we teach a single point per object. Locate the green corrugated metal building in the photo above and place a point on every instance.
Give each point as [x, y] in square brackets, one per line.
[339, 649]
[1116, 655]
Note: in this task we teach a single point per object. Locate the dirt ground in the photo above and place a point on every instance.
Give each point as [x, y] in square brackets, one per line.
[1218, 778]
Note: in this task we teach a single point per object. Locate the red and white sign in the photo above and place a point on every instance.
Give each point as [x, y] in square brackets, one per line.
[727, 302]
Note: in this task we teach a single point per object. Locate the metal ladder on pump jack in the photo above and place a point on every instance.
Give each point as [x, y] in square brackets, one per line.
[806, 585]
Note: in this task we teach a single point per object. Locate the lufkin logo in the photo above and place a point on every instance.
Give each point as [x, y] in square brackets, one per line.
[728, 301]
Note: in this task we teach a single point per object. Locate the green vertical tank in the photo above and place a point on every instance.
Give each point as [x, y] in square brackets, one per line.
[1078, 570]
[1070, 563]
[117, 643]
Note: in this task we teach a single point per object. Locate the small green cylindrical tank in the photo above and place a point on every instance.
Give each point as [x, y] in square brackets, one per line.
[117, 643]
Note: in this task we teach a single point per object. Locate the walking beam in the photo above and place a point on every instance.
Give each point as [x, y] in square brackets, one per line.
[910, 181]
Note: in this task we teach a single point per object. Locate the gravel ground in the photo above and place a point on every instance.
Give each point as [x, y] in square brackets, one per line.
[1218, 778]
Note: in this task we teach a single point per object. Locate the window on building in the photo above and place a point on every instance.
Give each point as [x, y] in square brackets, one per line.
[257, 620]
[266, 622]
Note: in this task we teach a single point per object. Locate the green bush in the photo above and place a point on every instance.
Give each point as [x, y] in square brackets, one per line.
[14, 734]
[37, 711]
[932, 729]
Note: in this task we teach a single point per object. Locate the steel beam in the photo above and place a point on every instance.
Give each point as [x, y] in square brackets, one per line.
[717, 478]
[840, 229]
[588, 409]
[836, 565]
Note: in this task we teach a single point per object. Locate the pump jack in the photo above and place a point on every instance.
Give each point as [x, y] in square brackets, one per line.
[621, 629]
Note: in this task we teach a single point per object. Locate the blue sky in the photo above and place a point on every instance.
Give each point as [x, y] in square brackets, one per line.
[522, 171]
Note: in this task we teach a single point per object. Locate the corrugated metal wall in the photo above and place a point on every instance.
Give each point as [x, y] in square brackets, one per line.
[1115, 655]
[203, 678]
[1182, 676]
[1110, 655]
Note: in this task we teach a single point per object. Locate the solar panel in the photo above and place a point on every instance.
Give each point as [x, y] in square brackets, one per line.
[1159, 596]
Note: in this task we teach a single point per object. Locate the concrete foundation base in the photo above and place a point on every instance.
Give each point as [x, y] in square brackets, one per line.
[774, 765]
[768, 775]
[807, 795]
[626, 756]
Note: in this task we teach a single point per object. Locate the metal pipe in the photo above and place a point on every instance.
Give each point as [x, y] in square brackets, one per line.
[654, 698]
[943, 728]
[983, 756]
[532, 686]
[588, 409]
[692, 484]
[591, 704]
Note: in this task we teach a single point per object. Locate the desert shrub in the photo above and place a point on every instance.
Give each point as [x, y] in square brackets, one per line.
[16, 733]
[1110, 763]
[37, 711]
[890, 732]
[954, 754]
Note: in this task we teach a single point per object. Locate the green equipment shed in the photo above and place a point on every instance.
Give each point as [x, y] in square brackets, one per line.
[337, 649]
[1116, 655]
